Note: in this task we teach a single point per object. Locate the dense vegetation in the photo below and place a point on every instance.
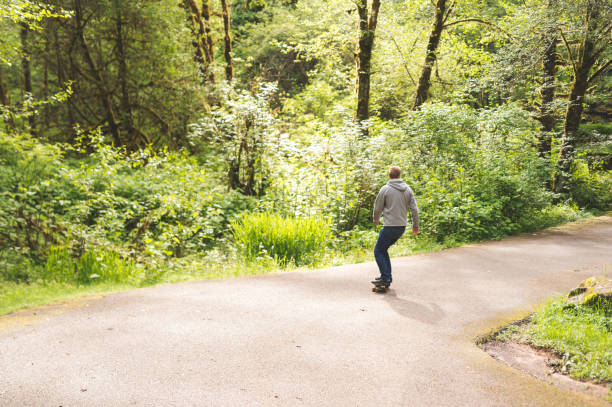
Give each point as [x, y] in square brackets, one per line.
[144, 141]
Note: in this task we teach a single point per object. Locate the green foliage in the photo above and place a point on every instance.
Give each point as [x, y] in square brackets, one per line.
[553, 215]
[591, 188]
[241, 135]
[111, 208]
[475, 172]
[334, 178]
[581, 334]
[28, 14]
[265, 57]
[92, 266]
[87, 213]
[288, 240]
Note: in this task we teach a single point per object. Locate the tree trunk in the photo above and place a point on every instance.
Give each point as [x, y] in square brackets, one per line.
[126, 106]
[229, 64]
[573, 115]
[202, 43]
[585, 60]
[27, 71]
[4, 96]
[208, 40]
[430, 57]
[197, 30]
[367, 29]
[105, 97]
[546, 117]
[45, 89]
[5, 99]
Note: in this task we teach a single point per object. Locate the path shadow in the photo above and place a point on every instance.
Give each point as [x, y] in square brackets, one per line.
[429, 314]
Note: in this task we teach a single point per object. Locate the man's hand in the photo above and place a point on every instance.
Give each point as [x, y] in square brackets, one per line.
[377, 222]
[415, 231]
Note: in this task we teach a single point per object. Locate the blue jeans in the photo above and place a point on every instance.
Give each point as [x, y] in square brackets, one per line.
[387, 236]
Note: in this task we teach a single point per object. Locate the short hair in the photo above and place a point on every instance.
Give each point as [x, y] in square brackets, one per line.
[395, 172]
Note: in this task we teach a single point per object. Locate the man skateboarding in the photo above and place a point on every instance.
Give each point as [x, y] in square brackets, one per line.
[393, 202]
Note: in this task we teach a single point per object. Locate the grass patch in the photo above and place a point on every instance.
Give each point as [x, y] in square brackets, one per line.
[16, 296]
[582, 335]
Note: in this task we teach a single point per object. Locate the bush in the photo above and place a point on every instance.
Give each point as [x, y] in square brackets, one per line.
[144, 206]
[475, 172]
[284, 239]
[589, 188]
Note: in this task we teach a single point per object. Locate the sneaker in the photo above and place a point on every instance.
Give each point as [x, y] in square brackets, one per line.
[380, 283]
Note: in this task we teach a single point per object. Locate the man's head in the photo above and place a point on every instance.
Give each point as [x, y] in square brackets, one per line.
[395, 172]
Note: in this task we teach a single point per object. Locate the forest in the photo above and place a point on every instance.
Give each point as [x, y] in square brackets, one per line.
[161, 140]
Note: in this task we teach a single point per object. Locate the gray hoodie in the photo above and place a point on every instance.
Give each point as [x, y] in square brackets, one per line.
[393, 202]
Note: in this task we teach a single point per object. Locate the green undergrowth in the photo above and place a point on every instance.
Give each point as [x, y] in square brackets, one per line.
[63, 277]
[72, 276]
[580, 335]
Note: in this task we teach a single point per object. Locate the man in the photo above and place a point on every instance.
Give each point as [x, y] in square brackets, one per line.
[393, 202]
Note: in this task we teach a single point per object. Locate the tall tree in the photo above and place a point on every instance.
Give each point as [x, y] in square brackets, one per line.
[229, 64]
[27, 70]
[367, 30]
[424, 83]
[208, 39]
[592, 42]
[126, 106]
[546, 115]
[4, 97]
[199, 20]
[104, 93]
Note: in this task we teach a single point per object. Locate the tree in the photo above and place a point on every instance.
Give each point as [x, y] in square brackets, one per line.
[440, 17]
[128, 63]
[27, 71]
[96, 75]
[586, 51]
[229, 67]
[202, 37]
[126, 105]
[241, 130]
[546, 116]
[367, 29]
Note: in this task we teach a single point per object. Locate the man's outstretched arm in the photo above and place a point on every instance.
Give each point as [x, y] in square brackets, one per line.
[414, 213]
[379, 205]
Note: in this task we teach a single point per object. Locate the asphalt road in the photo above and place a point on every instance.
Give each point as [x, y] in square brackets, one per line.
[307, 338]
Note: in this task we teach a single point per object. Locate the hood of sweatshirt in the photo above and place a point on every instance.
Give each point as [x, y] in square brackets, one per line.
[398, 184]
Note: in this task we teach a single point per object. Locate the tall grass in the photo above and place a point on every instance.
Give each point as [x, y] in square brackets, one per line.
[284, 239]
[91, 267]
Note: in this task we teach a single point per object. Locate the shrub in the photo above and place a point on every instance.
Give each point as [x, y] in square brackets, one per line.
[589, 188]
[475, 172]
[147, 206]
[284, 239]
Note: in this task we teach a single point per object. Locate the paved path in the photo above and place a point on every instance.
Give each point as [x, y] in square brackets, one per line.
[312, 338]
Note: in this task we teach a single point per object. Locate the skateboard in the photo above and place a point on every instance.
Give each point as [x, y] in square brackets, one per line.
[381, 289]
